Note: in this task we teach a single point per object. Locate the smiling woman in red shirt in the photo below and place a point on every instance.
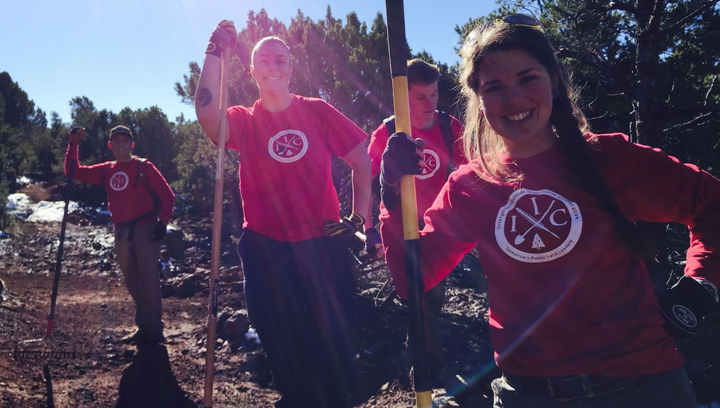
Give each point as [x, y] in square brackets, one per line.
[573, 317]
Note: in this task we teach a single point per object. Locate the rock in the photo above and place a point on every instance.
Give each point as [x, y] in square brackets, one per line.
[236, 326]
[237, 287]
[175, 241]
[184, 286]
[233, 274]
[167, 289]
[222, 318]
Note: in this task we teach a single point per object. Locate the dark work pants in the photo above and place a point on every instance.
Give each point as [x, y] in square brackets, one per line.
[299, 298]
[668, 390]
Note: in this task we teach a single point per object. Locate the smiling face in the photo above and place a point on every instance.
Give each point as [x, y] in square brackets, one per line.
[515, 92]
[121, 145]
[271, 67]
[423, 101]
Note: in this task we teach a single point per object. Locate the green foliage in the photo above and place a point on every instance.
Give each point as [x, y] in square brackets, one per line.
[196, 167]
[652, 78]
[342, 62]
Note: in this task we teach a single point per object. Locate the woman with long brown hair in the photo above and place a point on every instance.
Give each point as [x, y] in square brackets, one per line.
[573, 317]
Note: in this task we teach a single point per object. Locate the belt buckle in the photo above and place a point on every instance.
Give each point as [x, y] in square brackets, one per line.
[587, 386]
[584, 382]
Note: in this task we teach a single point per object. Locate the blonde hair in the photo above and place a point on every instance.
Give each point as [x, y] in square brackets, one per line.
[266, 40]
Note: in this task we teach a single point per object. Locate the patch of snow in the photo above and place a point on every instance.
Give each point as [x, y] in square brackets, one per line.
[18, 204]
[46, 211]
[102, 211]
[252, 337]
[22, 181]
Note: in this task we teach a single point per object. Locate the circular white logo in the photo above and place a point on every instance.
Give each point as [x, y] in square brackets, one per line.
[685, 316]
[432, 163]
[288, 146]
[538, 226]
[119, 181]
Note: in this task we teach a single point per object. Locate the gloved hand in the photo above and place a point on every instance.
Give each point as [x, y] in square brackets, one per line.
[159, 231]
[222, 39]
[347, 225]
[75, 134]
[402, 156]
[685, 304]
[373, 244]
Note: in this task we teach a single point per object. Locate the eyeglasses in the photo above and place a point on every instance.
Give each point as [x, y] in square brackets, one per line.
[523, 20]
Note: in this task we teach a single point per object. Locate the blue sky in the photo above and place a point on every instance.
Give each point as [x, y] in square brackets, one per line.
[130, 53]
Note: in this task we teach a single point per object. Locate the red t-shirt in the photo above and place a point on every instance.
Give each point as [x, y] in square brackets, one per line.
[285, 165]
[427, 185]
[566, 297]
[128, 195]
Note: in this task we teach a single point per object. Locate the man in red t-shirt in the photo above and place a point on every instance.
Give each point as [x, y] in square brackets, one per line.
[298, 279]
[442, 154]
[141, 204]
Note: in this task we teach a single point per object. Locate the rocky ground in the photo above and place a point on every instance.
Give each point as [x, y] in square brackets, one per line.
[87, 366]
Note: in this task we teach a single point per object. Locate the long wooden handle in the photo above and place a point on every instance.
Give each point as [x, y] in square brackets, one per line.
[397, 45]
[216, 234]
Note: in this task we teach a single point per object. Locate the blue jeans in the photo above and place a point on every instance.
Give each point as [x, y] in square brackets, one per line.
[300, 299]
[668, 390]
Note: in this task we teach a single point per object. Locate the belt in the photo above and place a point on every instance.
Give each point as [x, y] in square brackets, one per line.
[130, 225]
[574, 386]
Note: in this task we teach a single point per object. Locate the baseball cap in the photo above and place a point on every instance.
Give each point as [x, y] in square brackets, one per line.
[120, 129]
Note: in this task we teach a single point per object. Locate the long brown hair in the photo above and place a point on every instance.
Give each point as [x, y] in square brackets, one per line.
[482, 142]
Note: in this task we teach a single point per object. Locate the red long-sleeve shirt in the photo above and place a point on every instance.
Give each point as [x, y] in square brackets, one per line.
[566, 297]
[128, 195]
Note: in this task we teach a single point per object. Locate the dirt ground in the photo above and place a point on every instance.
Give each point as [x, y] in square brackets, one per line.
[91, 368]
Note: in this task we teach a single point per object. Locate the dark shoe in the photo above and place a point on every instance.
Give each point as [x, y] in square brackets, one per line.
[130, 338]
[150, 339]
[143, 338]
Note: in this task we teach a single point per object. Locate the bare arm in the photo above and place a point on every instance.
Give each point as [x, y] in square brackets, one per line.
[359, 162]
[207, 99]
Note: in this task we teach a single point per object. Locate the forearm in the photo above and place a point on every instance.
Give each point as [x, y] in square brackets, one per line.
[207, 98]
[362, 196]
[71, 158]
[369, 221]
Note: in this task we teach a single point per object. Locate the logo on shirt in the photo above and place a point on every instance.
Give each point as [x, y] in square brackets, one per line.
[685, 315]
[538, 226]
[288, 146]
[119, 181]
[432, 163]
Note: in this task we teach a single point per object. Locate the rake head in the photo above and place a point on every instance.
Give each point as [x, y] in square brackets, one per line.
[43, 349]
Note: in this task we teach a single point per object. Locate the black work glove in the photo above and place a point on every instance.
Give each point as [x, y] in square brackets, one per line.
[75, 134]
[347, 225]
[222, 39]
[401, 157]
[159, 231]
[684, 306]
[373, 243]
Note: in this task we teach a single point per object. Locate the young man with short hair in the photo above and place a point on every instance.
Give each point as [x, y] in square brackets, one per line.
[442, 154]
[141, 204]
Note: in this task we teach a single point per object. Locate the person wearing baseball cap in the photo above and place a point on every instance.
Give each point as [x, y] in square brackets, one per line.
[141, 204]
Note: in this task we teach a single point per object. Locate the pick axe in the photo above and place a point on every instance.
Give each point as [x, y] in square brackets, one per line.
[397, 45]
